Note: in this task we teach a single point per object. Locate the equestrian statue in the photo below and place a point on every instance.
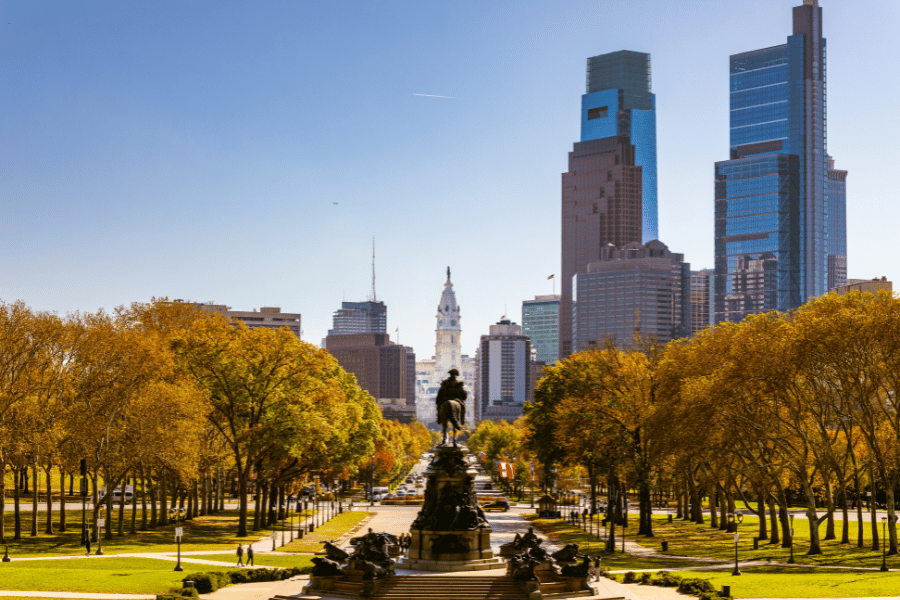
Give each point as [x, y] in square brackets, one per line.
[451, 405]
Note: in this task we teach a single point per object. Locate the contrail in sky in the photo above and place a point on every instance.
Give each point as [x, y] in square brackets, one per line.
[435, 96]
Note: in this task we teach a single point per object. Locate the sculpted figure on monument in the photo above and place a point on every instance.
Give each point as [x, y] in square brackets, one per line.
[451, 406]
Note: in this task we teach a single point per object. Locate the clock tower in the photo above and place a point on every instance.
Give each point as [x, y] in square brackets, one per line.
[447, 346]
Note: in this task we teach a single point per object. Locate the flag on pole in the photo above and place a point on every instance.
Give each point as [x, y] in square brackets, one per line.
[552, 276]
[532, 471]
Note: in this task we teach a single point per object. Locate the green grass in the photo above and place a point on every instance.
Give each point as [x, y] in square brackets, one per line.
[786, 582]
[212, 532]
[561, 531]
[331, 530]
[95, 575]
[690, 539]
[260, 559]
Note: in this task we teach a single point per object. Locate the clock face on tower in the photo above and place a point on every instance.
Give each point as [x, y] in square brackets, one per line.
[453, 322]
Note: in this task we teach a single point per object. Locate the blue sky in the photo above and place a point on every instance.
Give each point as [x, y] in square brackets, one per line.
[197, 149]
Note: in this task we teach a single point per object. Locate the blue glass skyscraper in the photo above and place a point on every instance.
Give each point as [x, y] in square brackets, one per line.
[618, 103]
[771, 217]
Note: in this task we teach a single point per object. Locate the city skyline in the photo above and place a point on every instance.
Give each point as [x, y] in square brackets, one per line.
[247, 157]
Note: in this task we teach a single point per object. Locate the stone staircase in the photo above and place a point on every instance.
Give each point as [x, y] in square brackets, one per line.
[440, 587]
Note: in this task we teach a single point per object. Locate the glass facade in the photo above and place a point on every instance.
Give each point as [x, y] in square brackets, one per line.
[540, 322]
[359, 317]
[837, 226]
[773, 229]
[619, 103]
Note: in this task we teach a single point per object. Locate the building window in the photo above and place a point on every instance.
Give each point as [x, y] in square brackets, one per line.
[597, 113]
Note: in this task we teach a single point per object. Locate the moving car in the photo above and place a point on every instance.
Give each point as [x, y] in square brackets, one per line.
[501, 505]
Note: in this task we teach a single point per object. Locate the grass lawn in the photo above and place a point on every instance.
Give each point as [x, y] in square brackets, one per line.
[259, 560]
[213, 532]
[561, 531]
[331, 530]
[112, 575]
[690, 539]
[786, 582]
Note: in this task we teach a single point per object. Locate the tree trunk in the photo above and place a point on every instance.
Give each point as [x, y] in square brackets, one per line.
[122, 506]
[873, 508]
[713, 503]
[163, 504]
[143, 499]
[860, 523]
[17, 510]
[196, 494]
[892, 519]
[35, 498]
[679, 506]
[829, 504]
[845, 514]
[815, 546]
[724, 525]
[761, 513]
[242, 503]
[62, 500]
[154, 490]
[773, 517]
[3, 502]
[48, 529]
[645, 518]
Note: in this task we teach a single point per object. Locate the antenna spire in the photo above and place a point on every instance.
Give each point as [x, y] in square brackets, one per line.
[374, 297]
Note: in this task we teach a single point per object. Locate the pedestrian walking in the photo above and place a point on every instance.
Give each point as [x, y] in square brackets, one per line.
[240, 555]
[249, 555]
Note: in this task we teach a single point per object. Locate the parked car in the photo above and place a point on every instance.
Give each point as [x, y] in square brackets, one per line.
[501, 505]
[401, 494]
[117, 493]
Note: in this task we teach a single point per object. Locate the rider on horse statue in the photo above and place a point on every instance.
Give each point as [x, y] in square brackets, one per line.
[451, 389]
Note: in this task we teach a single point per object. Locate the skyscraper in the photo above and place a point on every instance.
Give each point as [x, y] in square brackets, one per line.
[540, 322]
[359, 317]
[837, 226]
[601, 204]
[619, 103]
[503, 373]
[637, 289]
[773, 231]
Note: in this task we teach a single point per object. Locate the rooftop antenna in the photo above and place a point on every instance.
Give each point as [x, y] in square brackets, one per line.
[374, 297]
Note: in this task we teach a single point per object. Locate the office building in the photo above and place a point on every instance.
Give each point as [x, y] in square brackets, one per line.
[601, 204]
[447, 355]
[268, 317]
[382, 368]
[837, 226]
[773, 231]
[619, 103]
[503, 374]
[359, 317]
[639, 291]
[866, 286]
[540, 322]
[701, 300]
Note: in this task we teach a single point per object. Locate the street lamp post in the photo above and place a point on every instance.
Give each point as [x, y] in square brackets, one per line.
[291, 512]
[372, 487]
[177, 515]
[100, 523]
[737, 520]
[791, 560]
[883, 547]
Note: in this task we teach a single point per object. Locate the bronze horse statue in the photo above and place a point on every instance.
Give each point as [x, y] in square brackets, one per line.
[451, 412]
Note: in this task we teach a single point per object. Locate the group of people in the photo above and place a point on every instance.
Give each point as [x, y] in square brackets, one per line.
[405, 541]
[240, 555]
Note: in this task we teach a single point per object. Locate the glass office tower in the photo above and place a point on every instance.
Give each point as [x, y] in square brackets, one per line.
[772, 227]
[618, 103]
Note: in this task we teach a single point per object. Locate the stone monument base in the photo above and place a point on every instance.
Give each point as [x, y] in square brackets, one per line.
[416, 564]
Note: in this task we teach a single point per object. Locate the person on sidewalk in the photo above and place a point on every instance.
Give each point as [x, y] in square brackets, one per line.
[240, 555]
[249, 555]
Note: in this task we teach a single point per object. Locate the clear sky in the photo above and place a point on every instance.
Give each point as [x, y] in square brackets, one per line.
[247, 152]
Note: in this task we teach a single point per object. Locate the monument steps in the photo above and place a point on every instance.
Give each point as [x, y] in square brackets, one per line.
[438, 587]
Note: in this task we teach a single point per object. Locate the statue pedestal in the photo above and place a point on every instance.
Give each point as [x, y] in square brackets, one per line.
[450, 532]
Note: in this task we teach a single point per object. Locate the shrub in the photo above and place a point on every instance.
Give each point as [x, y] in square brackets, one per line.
[710, 596]
[645, 578]
[695, 587]
[666, 579]
[239, 576]
[630, 577]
